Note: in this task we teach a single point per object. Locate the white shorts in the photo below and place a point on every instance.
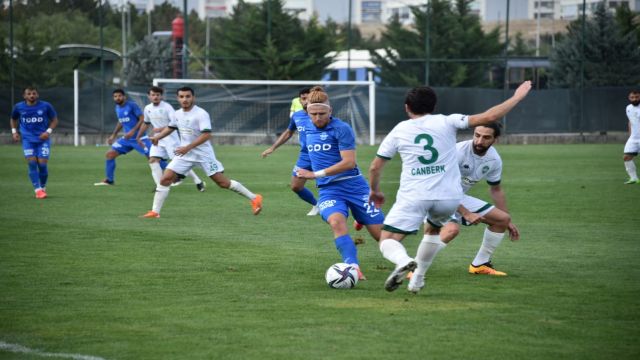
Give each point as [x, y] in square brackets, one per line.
[406, 215]
[182, 167]
[165, 148]
[475, 205]
[632, 146]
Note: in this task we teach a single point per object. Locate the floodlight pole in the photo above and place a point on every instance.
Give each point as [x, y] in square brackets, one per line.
[185, 43]
[76, 94]
[12, 61]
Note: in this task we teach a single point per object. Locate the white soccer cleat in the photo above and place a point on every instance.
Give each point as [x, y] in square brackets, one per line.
[398, 274]
[314, 211]
[416, 283]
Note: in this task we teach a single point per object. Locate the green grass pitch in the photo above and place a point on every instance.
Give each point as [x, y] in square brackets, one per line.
[80, 273]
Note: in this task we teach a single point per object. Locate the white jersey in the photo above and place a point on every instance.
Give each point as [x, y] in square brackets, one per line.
[160, 116]
[427, 147]
[474, 168]
[633, 113]
[191, 124]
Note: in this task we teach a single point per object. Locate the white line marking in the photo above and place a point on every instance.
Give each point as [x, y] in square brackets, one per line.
[22, 349]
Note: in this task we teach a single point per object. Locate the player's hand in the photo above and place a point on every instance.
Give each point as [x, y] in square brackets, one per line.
[377, 198]
[514, 234]
[154, 140]
[473, 218]
[267, 152]
[305, 174]
[15, 137]
[142, 145]
[522, 90]
[44, 136]
[110, 140]
[181, 150]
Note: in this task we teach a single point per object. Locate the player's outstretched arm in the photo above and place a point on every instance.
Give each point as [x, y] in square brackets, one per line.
[165, 131]
[283, 138]
[497, 112]
[347, 162]
[141, 133]
[204, 137]
[113, 135]
[15, 135]
[52, 125]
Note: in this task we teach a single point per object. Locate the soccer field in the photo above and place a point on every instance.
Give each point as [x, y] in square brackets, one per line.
[82, 275]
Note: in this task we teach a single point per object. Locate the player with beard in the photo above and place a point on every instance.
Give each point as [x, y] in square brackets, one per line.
[478, 160]
[632, 147]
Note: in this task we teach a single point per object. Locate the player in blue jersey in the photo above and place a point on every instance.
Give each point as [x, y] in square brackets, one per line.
[130, 118]
[299, 121]
[36, 119]
[331, 145]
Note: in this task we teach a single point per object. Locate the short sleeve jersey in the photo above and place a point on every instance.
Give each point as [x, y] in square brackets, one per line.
[160, 116]
[324, 146]
[633, 114]
[128, 115]
[33, 119]
[474, 168]
[299, 122]
[191, 124]
[427, 147]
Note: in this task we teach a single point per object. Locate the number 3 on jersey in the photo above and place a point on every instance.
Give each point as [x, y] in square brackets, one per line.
[428, 147]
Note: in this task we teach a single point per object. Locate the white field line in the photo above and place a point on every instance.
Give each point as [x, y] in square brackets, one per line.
[25, 350]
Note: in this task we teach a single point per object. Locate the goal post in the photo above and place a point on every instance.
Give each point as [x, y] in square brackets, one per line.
[248, 101]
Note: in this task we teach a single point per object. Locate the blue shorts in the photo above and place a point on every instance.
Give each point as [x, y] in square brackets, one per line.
[39, 149]
[303, 163]
[124, 146]
[350, 194]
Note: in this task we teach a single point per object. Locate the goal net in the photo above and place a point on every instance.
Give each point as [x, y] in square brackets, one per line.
[260, 108]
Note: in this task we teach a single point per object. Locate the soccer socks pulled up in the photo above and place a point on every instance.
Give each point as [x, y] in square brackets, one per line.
[490, 242]
[630, 166]
[194, 176]
[33, 174]
[43, 172]
[110, 169]
[240, 189]
[347, 249]
[163, 164]
[156, 172]
[429, 247]
[159, 197]
[395, 252]
[306, 195]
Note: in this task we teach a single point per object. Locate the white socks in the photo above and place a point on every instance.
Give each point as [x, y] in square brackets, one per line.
[240, 189]
[160, 196]
[196, 179]
[156, 172]
[630, 166]
[429, 247]
[395, 252]
[490, 242]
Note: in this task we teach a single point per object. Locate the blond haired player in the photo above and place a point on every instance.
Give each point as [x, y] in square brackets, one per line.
[194, 125]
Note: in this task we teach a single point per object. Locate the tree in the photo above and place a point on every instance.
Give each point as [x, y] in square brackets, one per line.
[454, 33]
[628, 21]
[248, 46]
[519, 47]
[150, 58]
[610, 57]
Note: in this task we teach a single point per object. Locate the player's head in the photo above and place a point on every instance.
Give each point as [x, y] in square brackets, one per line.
[119, 96]
[634, 97]
[186, 97]
[420, 101]
[318, 107]
[484, 136]
[30, 94]
[304, 95]
[155, 94]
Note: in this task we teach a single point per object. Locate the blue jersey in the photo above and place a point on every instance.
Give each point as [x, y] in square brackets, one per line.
[34, 119]
[300, 121]
[128, 115]
[324, 146]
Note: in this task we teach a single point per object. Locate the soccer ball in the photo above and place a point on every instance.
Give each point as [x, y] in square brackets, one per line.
[341, 276]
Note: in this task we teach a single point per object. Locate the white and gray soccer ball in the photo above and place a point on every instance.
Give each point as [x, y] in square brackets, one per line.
[341, 276]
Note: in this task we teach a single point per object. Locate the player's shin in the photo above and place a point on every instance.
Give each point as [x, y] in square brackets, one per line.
[110, 169]
[429, 247]
[194, 176]
[347, 249]
[630, 166]
[306, 195]
[240, 189]
[161, 194]
[490, 241]
[33, 173]
[395, 252]
[43, 172]
[156, 172]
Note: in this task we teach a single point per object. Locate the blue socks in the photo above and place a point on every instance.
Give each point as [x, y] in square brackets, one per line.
[33, 173]
[347, 249]
[163, 164]
[44, 174]
[306, 195]
[110, 169]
